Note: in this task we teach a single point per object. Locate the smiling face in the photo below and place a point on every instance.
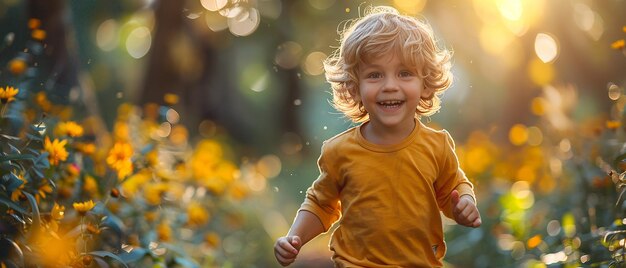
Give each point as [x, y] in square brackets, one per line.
[390, 92]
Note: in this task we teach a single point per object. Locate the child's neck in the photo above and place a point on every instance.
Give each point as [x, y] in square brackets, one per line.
[383, 135]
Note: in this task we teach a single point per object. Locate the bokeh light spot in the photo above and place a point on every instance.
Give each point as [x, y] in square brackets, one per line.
[213, 5]
[540, 73]
[138, 42]
[107, 35]
[546, 47]
[518, 135]
[314, 63]
[614, 91]
[288, 55]
[215, 21]
[245, 22]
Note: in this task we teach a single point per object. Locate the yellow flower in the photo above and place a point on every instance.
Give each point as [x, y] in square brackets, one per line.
[164, 232]
[85, 148]
[90, 185]
[44, 189]
[83, 207]
[119, 159]
[619, 44]
[239, 190]
[8, 94]
[69, 128]
[197, 215]
[212, 239]
[17, 66]
[38, 34]
[58, 212]
[135, 182]
[56, 150]
[56, 215]
[34, 23]
[41, 99]
[17, 193]
[150, 216]
[613, 124]
[170, 98]
[153, 193]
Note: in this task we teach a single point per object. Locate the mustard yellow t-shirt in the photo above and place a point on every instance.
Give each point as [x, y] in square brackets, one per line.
[387, 198]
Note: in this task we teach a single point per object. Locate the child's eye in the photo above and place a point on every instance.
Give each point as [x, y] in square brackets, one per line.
[406, 74]
[374, 75]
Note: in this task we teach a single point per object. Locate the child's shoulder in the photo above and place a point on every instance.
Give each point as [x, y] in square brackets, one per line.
[437, 136]
[341, 137]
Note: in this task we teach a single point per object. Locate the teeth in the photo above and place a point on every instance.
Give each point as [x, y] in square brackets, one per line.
[390, 102]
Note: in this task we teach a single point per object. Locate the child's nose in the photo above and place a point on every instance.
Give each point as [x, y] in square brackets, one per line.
[391, 83]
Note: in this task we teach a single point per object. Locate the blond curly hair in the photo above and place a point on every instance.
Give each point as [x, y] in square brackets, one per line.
[383, 30]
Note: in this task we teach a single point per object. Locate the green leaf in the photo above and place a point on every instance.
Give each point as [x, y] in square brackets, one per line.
[103, 254]
[13, 206]
[33, 137]
[36, 216]
[18, 250]
[14, 150]
[11, 157]
[101, 263]
[186, 263]
[134, 255]
[10, 137]
[42, 161]
[11, 182]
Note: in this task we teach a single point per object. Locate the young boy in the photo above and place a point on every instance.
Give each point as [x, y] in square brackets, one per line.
[385, 180]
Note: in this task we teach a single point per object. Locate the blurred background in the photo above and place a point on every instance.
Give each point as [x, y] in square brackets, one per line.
[535, 110]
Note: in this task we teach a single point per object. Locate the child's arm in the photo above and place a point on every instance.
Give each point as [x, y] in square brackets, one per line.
[305, 227]
[464, 210]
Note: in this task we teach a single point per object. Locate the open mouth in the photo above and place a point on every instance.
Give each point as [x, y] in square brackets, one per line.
[390, 104]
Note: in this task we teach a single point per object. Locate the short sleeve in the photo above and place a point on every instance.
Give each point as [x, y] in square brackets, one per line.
[322, 198]
[450, 177]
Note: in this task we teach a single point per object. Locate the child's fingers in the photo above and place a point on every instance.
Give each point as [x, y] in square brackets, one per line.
[285, 252]
[295, 242]
[287, 246]
[462, 209]
[455, 197]
[477, 223]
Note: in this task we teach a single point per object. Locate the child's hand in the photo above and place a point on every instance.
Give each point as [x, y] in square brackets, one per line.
[286, 249]
[464, 210]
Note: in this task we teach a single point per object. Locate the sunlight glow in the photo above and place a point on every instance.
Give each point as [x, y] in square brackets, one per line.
[584, 16]
[614, 91]
[535, 136]
[138, 42]
[518, 135]
[269, 166]
[553, 258]
[244, 22]
[313, 64]
[213, 5]
[322, 4]
[288, 55]
[494, 38]
[107, 35]
[410, 6]
[510, 9]
[215, 21]
[540, 72]
[261, 83]
[546, 47]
